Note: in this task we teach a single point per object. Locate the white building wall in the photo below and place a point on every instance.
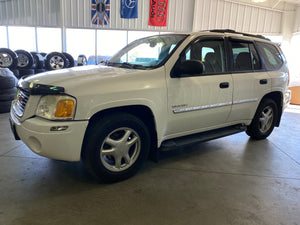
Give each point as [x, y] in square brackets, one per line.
[30, 13]
[183, 16]
[180, 16]
[77, 14]
[219, 14]
[297, 20]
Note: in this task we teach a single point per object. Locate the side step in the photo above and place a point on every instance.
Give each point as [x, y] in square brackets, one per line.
[201, 137]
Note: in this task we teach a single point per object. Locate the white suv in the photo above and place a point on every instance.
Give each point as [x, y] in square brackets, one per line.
[159, 92]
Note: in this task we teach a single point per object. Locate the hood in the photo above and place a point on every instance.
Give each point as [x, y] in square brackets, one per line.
[78, 75]
[74, 80]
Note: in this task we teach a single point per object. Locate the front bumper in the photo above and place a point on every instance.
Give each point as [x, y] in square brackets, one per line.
[61, 145]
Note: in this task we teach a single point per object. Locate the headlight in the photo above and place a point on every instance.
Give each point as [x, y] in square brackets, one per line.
[56, 107]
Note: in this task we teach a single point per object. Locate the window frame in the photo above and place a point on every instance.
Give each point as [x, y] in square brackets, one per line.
[261, 53]
[231, 58]
[206, 38]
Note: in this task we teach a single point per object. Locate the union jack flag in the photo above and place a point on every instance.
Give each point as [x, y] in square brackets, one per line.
[100, 12]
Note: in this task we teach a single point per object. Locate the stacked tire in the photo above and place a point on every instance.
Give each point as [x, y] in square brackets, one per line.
[7, 89]
[38, 62]
[23, 63]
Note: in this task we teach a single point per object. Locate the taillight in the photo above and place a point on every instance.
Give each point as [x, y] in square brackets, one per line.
[288, 78]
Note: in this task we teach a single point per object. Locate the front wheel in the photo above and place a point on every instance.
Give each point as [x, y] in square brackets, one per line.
[116, 146]
[264, 120]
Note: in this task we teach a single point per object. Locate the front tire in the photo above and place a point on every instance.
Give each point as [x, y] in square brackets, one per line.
[115, 147]
[264, 120]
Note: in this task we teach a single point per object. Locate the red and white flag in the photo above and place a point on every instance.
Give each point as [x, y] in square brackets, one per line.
[158, 13]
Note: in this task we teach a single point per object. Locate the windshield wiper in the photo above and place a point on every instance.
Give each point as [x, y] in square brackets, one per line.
[123, 65]
[127, 65]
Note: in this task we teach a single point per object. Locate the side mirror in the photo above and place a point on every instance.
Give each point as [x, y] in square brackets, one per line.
[187, 68]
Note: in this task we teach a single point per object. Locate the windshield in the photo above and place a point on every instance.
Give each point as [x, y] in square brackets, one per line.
[147, 52]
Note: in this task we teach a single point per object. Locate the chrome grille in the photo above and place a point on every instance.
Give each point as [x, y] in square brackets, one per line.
[20, 103]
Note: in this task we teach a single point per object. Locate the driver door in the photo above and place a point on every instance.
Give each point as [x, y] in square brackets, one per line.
[201, 101]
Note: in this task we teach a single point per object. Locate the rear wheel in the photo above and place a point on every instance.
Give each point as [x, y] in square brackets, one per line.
[264, 120]
[116, 146]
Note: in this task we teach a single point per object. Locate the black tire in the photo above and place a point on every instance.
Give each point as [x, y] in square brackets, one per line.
[264, 120]
[70, 59]
[25, 59]
[8, 94]
[38, 61]
[16, 73]
[43, 54]
[5, 106]
[101, 135]
[8, 59]
[55, 61]
[36, 71]
[81, 60]
[26, 73]
[7, 82]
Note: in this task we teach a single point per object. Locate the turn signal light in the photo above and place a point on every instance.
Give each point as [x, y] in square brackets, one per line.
[65, 109]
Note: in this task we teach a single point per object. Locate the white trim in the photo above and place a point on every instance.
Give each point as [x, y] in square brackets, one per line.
[196, 108]
[245, 101]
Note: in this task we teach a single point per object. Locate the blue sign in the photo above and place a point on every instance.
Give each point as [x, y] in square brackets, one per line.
[129, 9]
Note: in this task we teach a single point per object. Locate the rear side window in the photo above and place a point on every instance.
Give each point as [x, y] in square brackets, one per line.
[272, 57]
[245, 57]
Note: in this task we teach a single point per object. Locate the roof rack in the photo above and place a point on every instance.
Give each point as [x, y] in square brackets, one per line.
[235, 32]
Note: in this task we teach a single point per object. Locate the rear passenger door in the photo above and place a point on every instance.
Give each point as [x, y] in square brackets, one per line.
[250, 79]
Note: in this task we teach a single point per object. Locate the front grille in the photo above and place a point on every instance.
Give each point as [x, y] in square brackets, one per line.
[20, 103]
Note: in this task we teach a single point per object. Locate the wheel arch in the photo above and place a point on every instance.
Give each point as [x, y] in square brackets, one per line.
[142, 112]
[277, 97]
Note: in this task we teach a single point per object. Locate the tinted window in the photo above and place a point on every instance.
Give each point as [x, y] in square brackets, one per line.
[245, 57]
[210, 53]
[272, 57]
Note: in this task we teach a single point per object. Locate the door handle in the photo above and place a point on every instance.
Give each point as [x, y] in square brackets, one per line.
[224, 85]
[263, 81]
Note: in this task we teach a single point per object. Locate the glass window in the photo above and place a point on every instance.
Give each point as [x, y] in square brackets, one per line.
[110, 42]
[3, 37]
[146, 52]
[210, 53]
[22, 38]
[272, 57]
[49, 39]
[255, 58]
[81, 42]
[134, 35]
[245, 57]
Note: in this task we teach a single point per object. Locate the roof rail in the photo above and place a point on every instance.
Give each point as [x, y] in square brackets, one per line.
[235, 32]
